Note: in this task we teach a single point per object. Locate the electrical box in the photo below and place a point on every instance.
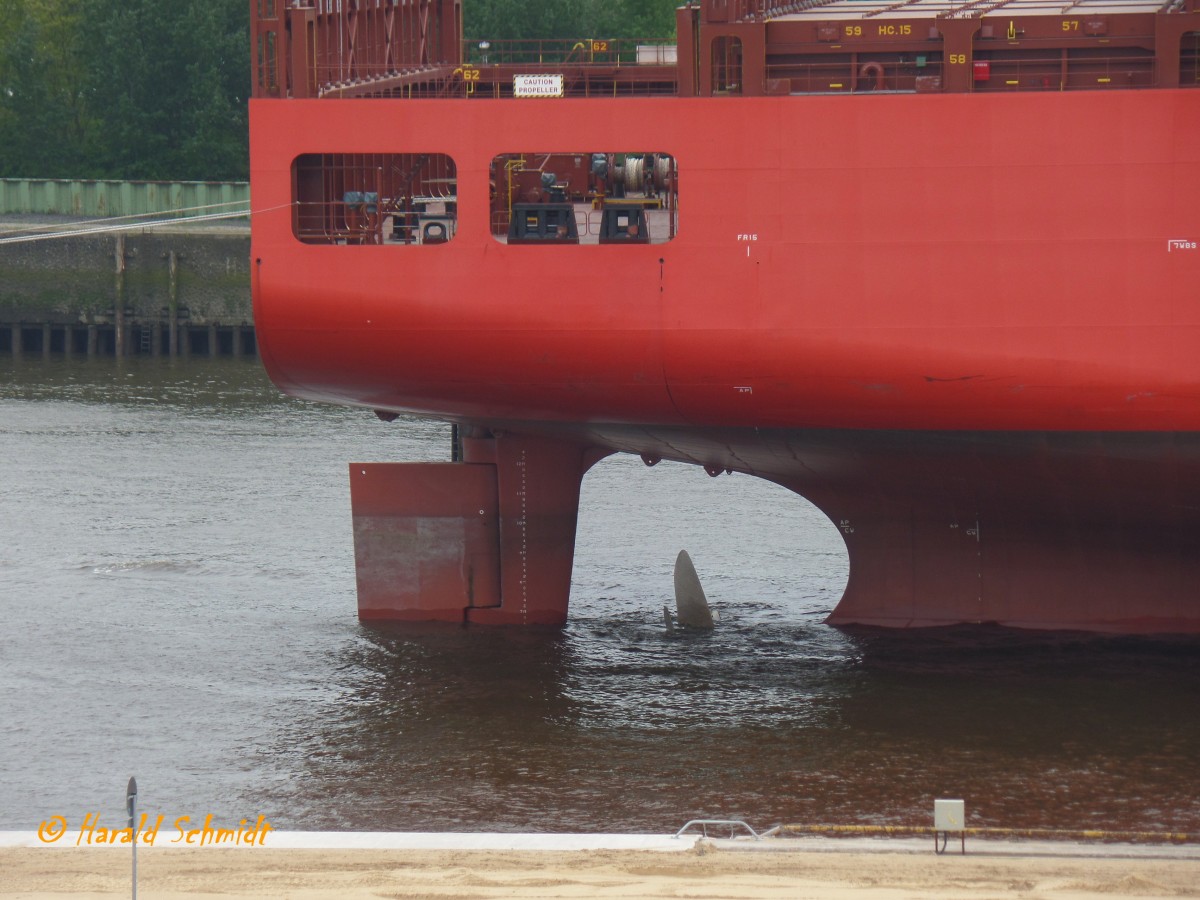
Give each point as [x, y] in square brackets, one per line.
[949, 815]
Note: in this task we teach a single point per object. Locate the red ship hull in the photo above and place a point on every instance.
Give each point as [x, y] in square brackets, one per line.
[965, 327]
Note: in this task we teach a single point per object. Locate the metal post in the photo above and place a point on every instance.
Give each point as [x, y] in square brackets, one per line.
[131, 808]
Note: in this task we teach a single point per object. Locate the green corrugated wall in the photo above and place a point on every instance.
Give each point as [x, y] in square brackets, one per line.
[118, 198]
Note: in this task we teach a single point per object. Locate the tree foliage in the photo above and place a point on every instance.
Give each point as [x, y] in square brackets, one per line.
[147, 89]
[529, 19]
[42, 117]
[139, 89]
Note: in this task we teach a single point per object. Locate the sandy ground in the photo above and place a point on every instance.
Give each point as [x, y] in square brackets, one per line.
[704, 872]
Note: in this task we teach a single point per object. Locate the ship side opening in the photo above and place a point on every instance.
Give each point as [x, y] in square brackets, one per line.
[634, 520]
[1189, 60]
[392, 199]
[587, 197]
[726, 65]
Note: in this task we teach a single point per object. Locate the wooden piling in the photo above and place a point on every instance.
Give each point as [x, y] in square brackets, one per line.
[119, 298]
[126, 338]
[173, 304]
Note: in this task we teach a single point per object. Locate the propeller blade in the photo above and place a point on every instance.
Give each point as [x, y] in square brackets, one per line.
[691, 606]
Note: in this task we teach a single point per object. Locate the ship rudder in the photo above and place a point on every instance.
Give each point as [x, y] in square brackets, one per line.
[424, 540]
[489, 540]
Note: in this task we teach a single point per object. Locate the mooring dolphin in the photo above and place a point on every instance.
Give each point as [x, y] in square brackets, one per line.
[691, 606]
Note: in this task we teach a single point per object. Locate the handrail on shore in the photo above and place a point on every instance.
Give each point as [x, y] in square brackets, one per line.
[733, 824]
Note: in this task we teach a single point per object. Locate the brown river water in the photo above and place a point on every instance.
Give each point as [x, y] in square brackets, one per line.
[177, 602]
